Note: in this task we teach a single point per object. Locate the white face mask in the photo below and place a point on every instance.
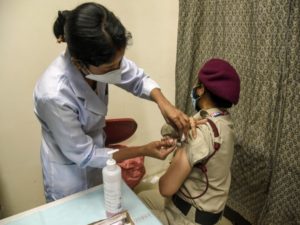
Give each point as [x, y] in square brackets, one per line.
[111, 77]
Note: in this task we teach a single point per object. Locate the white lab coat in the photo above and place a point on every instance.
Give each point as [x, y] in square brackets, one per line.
[72, 118]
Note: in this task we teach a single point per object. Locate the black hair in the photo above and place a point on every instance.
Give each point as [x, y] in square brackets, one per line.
[219, 102]
[92, 32]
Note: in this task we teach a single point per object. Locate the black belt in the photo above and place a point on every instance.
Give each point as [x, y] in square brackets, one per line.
[201, 217]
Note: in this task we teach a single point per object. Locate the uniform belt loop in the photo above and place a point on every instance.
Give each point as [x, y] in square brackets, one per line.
[182, 205]
[207, 218]
[201, 217]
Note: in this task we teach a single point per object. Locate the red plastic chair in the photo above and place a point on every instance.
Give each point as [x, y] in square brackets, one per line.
[119, 130]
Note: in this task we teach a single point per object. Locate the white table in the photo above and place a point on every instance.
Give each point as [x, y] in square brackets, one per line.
[82, 208]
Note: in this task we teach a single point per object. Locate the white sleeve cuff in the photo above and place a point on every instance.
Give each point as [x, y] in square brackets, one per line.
[149, 86]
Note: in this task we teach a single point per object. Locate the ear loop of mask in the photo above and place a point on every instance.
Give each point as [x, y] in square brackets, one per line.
[198, 85]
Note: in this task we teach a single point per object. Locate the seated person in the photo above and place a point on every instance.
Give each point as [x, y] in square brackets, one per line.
[196, 184]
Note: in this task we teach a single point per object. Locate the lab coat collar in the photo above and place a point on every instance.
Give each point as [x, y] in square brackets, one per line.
[81, 88]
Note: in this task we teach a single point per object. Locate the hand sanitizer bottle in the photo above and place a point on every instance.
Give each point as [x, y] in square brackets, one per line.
[112, 186]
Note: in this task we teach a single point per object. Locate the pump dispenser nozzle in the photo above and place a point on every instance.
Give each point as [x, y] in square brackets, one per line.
[111, 162]
[112, 152]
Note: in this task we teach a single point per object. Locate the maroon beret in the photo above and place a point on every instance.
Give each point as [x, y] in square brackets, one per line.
[221, 79]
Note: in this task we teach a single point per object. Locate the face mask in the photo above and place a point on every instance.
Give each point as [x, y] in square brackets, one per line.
[112, 77]
[195, 99]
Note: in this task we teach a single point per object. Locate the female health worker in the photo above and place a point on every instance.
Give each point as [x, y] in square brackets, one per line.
[71, 97]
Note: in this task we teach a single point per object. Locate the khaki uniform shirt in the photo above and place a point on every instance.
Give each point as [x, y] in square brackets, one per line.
[218, 171]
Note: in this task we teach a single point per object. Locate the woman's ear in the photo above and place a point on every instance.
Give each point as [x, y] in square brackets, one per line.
[200, 91]
[79, 65]
[76, 62]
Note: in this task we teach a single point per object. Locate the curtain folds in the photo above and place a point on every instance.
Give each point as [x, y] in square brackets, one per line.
[261, 40]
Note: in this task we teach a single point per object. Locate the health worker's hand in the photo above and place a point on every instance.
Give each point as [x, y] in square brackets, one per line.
[176, 118]
[160, 149]
[172, 115]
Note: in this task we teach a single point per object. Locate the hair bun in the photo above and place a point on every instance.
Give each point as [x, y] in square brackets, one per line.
[58, 27]
[61, 18]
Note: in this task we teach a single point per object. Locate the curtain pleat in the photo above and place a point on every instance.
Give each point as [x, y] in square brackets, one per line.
[261, 40]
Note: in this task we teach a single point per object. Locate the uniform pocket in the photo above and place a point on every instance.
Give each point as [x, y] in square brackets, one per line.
[64, 180]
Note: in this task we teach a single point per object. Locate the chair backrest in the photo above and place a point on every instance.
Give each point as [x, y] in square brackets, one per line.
[118, 130]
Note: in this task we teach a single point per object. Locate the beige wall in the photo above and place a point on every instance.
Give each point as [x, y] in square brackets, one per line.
[27, 46]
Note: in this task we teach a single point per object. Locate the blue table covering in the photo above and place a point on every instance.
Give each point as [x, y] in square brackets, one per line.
[83, 208]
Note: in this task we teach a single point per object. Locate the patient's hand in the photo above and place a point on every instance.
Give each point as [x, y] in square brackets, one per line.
[194, 123]
[169, 131]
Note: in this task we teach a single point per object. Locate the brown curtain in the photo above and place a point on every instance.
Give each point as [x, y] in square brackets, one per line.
[261, 39]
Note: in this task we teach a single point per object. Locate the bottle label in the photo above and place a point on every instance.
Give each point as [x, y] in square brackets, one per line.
[112, 197]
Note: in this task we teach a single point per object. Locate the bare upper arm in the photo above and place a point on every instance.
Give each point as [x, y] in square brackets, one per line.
[176, 174]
